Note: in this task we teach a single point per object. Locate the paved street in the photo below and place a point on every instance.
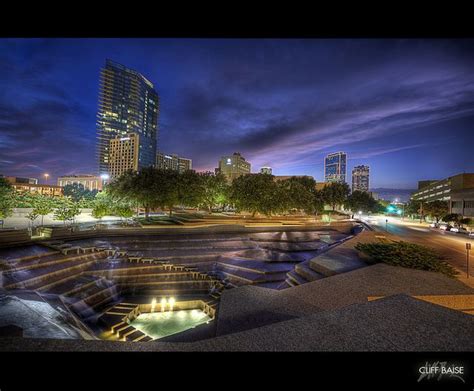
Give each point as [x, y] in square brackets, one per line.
[451, 245]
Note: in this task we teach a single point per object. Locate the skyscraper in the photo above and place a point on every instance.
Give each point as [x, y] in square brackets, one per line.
[360, 178]
[233, 166]
[335, 167]
[128, 103]
[266, 170]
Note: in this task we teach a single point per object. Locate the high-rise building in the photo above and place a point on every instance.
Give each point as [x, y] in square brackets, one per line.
[266, 170]
[128, 103]
[335, 167]
[90, 182]
[233, 166]
[360, 178]
[173, 162]
[124, 154]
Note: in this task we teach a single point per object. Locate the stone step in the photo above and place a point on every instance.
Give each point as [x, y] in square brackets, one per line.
[306, 272]
[296, 278]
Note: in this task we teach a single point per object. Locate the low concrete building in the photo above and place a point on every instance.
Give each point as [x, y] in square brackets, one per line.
[48, 190]
[90, 182]
[442, 189]
[462, 202]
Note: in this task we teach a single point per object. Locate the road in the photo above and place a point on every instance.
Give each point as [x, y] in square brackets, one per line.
[450, 245]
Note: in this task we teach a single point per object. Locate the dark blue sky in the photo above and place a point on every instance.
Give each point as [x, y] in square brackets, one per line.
[405, 107]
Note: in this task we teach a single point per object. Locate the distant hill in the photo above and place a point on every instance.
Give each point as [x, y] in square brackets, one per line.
[402, 195]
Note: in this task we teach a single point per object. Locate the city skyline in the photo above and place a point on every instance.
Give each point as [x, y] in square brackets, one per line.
[390, 104]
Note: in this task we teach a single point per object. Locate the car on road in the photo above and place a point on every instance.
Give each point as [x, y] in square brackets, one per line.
[459, 230]
[471, 234]
[445, 227]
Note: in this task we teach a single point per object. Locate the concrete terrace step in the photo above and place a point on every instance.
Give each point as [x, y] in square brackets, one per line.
[253, 277]
[306, 272]
[72, 286]
[339, 260]
[296, 278]
[33, 279]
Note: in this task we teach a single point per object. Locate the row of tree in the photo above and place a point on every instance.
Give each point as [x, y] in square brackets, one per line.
[437, 210]
[258, 193]
[63, 208]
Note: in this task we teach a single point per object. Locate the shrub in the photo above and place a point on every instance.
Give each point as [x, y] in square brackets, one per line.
[405, 254]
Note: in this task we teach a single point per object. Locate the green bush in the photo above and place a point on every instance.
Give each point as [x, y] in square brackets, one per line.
[405, 254]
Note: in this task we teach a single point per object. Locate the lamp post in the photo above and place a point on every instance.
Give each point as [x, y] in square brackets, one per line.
[468, 247]
[46, 176]
[105, 178]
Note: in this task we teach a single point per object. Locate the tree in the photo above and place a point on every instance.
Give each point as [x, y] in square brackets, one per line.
[413, 208]
[78, 192]
[42, 206]
[452, 218]
[7, 198]
[255, 193]
[436, 209]
[190, 188]
[123, 211]
[335, 193]
[100, 209]
[465, 221]
[134, 187]
[32, 216]
[300, 194]
[361, 201]
[67, 211]
[215, 190]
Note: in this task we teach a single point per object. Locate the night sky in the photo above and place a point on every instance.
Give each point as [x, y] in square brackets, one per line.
[404, 107]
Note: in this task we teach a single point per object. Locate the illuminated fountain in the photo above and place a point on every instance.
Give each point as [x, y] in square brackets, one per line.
[171, 302]
[163, 304]
[153, 304]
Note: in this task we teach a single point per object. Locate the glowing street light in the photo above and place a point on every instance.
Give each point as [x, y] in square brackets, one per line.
[46, 176]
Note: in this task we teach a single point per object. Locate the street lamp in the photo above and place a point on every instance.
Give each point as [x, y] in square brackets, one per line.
[104, 178]
[46, 176]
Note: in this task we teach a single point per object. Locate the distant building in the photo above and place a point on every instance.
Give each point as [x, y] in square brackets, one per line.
[335, 167]
[173, 162]
[15, 179]
[462, 202]
[443, 189]
[266, 170]
[233, 166]
[35, 188]
[128, 103]
[321, 185]
[360, 178]
[124, 154]
[285, 177]
[90, 182]
[374, 195]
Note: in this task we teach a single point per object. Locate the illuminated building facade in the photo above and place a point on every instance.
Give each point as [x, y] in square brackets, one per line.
[335, 167]
[233, 166]
[266, 170]
[128, 103]
[90, 182]
[360, 178]
[124, 154]
[35, 188]
[173, 162]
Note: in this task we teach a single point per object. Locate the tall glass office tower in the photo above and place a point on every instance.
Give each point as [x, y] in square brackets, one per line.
[335, 167]
[128, 103]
